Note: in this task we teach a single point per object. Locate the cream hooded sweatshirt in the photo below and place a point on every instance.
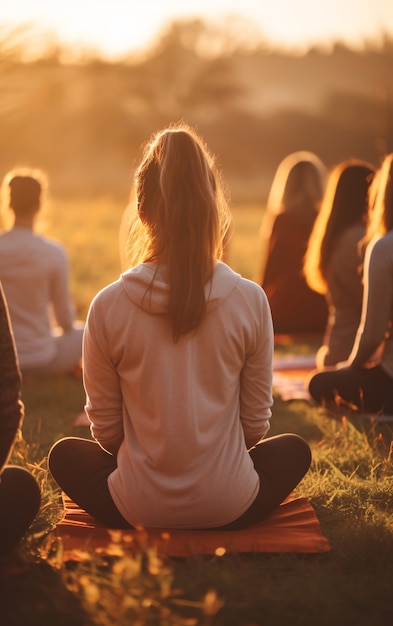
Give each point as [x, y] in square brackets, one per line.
[178, 415]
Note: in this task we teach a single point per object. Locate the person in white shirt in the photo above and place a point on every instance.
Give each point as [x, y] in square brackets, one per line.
[365, 380]
[34, 271]
[177, 363]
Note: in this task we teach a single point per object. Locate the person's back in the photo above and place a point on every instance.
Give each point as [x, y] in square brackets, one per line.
[34, 271]
[375, 334]
[296, 309]
[334, 257]
[178, 368]
[196, 393]
[292, 207]
[365, 379]
[344, 277]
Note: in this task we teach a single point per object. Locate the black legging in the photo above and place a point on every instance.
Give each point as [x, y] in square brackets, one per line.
[370, 390]
[281, 462]
[81, 468]
[19, 503]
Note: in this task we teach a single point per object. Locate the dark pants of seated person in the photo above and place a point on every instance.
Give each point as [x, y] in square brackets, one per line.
[370, 390]
[19, 503]
[81, 468]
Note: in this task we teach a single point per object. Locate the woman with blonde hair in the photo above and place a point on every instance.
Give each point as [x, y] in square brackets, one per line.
[292, 207]
[178, 368]
[333, 260]
[365, 380]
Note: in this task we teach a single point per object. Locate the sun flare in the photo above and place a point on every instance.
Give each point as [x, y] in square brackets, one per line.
[115, 27]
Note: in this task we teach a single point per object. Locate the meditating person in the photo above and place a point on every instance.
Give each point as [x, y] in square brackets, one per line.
[292, 207]
[177, 366]
[365, 380]
[19, 492]
[334, 257]
[34, 271]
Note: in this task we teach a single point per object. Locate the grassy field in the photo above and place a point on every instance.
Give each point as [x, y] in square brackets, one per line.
[350, 485]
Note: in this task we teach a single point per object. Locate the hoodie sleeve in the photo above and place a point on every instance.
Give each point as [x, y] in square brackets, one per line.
[102, 384]
[256, 397]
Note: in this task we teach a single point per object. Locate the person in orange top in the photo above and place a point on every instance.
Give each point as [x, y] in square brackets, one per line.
[292, 207]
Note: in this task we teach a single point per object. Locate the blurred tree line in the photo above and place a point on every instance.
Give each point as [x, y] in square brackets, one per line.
[84, 119]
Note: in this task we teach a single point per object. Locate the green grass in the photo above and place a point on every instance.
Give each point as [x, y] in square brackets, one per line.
[350, 485]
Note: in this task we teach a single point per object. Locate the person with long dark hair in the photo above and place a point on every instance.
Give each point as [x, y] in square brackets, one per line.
[365, 380]
[334, 258]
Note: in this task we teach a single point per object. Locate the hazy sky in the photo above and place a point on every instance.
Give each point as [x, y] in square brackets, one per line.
[118, 26]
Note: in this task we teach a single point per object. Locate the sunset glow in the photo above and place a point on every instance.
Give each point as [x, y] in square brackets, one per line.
[116, 27]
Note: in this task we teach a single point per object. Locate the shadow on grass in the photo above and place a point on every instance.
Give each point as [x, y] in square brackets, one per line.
[34, 594]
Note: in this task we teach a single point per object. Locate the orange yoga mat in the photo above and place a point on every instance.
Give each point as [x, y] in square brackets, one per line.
[292, 527]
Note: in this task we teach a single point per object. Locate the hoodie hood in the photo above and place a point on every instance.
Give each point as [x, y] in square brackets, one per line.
[147, 287]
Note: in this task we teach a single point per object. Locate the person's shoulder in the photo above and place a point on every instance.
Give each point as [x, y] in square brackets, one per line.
[108, 294]
[383, 245]
[224, 274]
[251, 286]
[380, 253]
[250, 289]
[15, 236]
[51, 242]
[387, 239]
[226, 280]
[53, 248]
